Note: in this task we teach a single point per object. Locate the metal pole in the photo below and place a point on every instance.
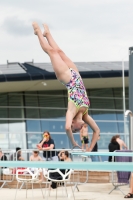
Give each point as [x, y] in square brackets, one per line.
[131, 131]
[131, 96]
[131, 79]
[124, 105]
[128, 112]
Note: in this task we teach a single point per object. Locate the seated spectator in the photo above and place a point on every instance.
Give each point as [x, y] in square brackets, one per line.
[65, 157]
[113, 145]
[121, 142]
[19, 155]
[2, 158]
[60, 155]
[35, 157]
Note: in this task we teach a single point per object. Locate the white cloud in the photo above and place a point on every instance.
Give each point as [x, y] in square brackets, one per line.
[17, 27]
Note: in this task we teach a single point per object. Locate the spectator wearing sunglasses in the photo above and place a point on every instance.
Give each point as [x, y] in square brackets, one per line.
[47, 144]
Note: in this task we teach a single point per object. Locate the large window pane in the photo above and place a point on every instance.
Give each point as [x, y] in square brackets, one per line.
[105, 92]
[61, 141]
[3, 104]
[120, 115]
[127, 104]
[3, 126]
[103, 115]
[15, 99]
[3, 99]
[3, 113]
[119, 104]
[108, 127]
[55, 100]
[33, 126]
[4, 140]
[15, 113]
[102, 103]
[16, 126]
[77, 138]
[104, 141]
[127, 92]
[32, 113]
[31, 100]
[52, 113]
[99, 102]
[121, 127]
[53, 125]
[117, 92]
[15, 140]
[33, 139]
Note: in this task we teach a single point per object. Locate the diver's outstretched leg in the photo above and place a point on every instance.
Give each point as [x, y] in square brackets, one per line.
[60, 67]
[54, 45]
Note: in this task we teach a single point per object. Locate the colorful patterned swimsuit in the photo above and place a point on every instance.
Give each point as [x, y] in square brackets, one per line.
[76, 91]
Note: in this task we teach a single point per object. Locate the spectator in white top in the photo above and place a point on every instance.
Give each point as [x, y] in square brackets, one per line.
[35, 157]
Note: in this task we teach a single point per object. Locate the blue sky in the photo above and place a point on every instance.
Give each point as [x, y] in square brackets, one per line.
[86, 30]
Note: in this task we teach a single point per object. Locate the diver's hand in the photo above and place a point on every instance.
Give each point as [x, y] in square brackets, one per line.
[88, 149]
[76, 145]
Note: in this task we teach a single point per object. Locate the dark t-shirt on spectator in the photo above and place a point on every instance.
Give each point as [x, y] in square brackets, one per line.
[13, 156]
[95, 148]
[48, 154]
[3, 158]
[112, 147]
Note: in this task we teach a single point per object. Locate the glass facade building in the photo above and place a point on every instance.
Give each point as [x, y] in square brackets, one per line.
[24, 116]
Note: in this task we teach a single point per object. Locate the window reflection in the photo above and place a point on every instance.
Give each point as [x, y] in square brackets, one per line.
[108, 127]
[16, 140]
[3, 140]
[33, 139]
[16, 126]
[77, 138]
[61, 141]
[32, 113]
[53, 125]
[4, 126]
[103, 115]
[33, 126]
[120, 115]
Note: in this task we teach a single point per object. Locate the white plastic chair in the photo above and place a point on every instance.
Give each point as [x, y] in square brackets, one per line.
[64, 179]
[25, 180]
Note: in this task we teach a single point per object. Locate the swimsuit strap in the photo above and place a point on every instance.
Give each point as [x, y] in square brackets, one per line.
[85, 111]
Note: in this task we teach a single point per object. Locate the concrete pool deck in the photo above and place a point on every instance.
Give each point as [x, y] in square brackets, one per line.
[89, 191]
